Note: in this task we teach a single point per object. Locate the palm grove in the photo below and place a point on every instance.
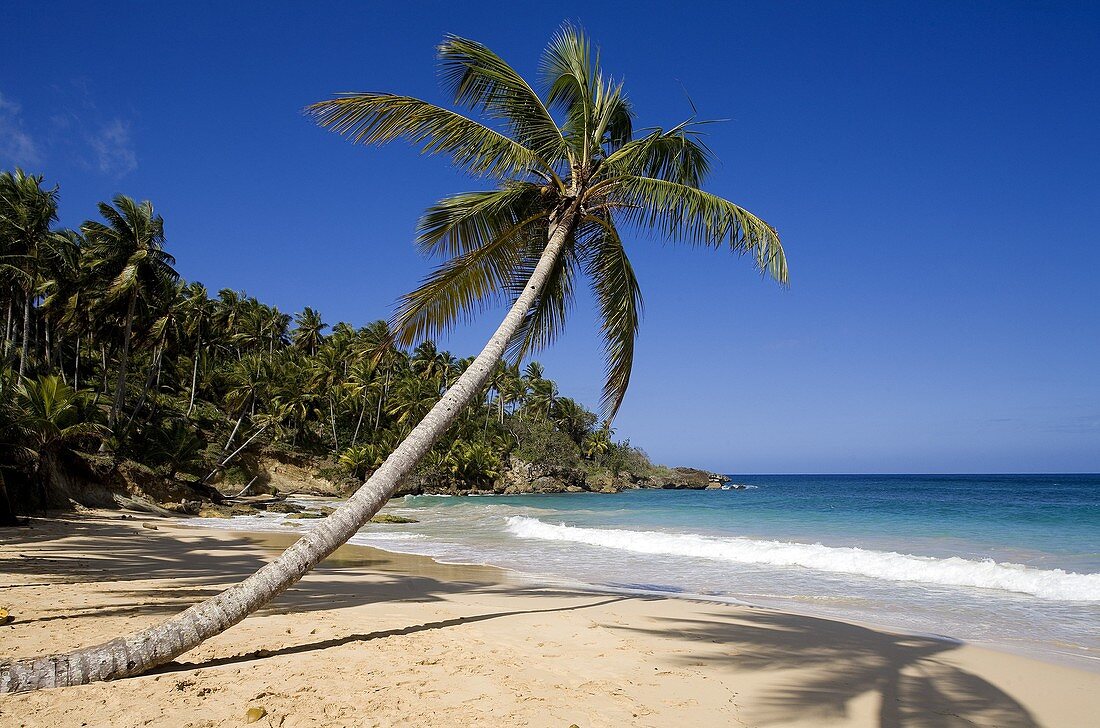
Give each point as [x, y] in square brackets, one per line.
[107, 349]
[569, 173]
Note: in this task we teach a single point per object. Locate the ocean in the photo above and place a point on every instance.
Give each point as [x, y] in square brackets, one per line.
[1011, 561]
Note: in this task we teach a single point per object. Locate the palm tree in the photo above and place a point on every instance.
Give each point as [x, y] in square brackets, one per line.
[247, 384]
[361, 384]
[598, 443]
[199, 312]
[62, 280]
[362, 459]
[327, 379]
[50, 419]
[472, 462]
[426, 362]
[227, 310]
[564, 190]
[378, 346]
[176, 445]
[169, 326]
[307, 333]
[542, 397]
[129, 251]
[26, 213]
[573, 419]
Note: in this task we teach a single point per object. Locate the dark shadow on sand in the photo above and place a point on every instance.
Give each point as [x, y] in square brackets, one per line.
[845, 661]
[368, 636]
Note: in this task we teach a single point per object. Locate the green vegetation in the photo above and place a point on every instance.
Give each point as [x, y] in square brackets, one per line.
[108, 354]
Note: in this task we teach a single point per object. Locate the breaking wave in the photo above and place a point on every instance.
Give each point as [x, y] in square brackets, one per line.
[1054, 584]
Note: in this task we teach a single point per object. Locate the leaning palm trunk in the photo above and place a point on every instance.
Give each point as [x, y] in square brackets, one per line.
[133, 655]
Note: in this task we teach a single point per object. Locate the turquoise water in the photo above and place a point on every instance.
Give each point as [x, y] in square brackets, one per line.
[1007, 560]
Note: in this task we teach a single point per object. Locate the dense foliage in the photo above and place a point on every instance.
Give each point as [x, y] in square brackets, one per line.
[106, 349]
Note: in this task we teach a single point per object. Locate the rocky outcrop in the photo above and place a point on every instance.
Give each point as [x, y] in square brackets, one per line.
[279, 471]
[685, 479]
[523, 477]
[520, 477]
[94, 480]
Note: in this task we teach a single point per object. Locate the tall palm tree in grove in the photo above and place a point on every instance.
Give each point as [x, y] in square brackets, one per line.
[570, 173]
[27, 212]
[200, 312]
[307, 334]
[129, 252]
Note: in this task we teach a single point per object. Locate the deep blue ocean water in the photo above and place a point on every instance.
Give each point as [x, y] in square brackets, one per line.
[1007, 560]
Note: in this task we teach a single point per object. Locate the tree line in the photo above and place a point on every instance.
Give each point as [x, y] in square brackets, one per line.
[107, 350]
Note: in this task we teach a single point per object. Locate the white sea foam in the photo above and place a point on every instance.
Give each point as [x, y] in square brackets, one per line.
[1054, 584]
[369, 537]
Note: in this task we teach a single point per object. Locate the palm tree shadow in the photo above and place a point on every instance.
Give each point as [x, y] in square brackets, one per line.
[154, 575]
[839, 662]
[368, 636]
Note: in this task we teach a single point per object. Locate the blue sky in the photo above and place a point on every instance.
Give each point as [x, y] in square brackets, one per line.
[932, 167]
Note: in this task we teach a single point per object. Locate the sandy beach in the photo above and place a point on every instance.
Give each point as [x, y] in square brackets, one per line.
[372, 638]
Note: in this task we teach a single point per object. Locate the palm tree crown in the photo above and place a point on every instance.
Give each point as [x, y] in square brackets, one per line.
[570, 156]
[129, 252]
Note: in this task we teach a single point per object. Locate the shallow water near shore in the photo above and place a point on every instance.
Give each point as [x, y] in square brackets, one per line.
[1011, 561]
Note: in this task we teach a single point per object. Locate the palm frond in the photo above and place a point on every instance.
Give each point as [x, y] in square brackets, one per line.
[620, 302]
[676, 155]
[463, 286]
[613, 116]
[123, 283]
[566, 68]
[378, 118]
[482, 80]
[85, 429]
[688, 214]
[546, 320]
[469, 220]
[568, 72]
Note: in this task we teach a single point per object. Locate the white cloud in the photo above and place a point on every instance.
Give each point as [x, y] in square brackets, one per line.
[16, 146]
[113, 149]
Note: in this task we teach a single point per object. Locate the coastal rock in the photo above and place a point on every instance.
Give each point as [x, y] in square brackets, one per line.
[286, 472]
[390, 518]
[523, 477]
[213, 510]
[184, 507]
[518, 477]
[283, 507]
[547, 484]
[684, 479]
[599, 481]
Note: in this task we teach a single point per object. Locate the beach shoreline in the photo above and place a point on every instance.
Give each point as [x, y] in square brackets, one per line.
[278, 535]
[375, 637]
